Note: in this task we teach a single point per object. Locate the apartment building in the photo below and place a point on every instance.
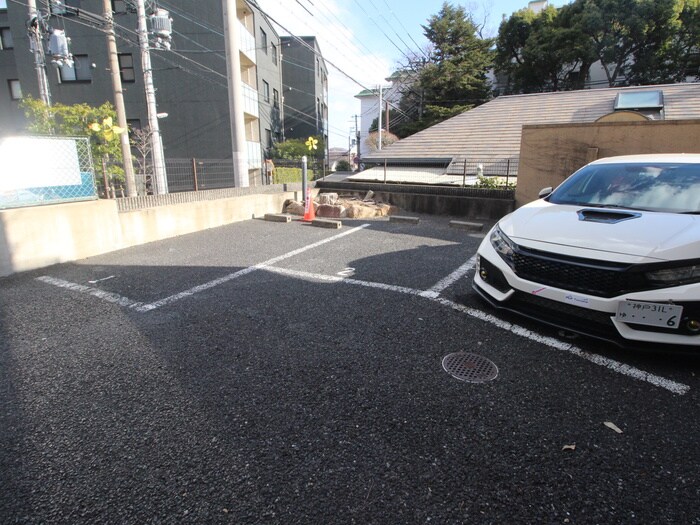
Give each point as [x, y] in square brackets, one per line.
[305, 86]
[190, 79]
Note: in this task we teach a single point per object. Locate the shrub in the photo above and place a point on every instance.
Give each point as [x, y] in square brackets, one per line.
[342, 165]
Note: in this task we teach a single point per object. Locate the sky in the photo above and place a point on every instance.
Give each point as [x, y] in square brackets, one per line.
[364, 41]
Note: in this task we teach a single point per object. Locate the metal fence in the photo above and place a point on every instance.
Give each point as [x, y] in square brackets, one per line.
[286, 171]
[45, 170]
[210, 174]
[459, 172]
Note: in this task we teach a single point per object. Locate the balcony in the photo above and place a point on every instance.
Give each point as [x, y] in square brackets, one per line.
[246, 42]
[254, 155]
[250, 101]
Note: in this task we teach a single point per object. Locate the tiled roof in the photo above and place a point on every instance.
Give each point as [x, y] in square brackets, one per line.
[492, 131]
[368, 93]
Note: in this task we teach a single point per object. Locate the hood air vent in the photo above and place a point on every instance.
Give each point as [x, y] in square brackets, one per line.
[606, 216]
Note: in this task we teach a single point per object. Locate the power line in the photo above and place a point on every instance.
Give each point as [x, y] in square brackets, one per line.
[310, 48]
[404, 28]
[380, 28]
[346, 39]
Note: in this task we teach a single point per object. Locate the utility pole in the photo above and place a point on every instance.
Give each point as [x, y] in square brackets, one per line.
[156, 141]
[37, 46]
[357, 131]
[119, 99]
[379, 120]
[239, 152]
[386, 115]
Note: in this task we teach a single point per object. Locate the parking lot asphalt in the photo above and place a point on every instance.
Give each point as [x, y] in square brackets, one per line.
[280, 373]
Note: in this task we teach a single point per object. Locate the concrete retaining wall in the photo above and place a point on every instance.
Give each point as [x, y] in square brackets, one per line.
[44, 235]
[437, 200]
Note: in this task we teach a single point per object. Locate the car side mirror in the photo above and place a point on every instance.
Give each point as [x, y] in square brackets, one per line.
[544, 192]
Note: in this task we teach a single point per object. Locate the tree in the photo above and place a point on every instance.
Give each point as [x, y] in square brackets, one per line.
[372, 140]
[74, 121]
[674, 52]
[142, 143]
[536, 53]
[459, 61]
[629, 37]
[295, 149]
[453, 77]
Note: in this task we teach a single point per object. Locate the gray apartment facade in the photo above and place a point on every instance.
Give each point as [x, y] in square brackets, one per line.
[305, 77]
[190, 79]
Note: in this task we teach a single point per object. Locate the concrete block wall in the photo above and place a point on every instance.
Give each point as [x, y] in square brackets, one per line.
[551, 152]
[39, 236]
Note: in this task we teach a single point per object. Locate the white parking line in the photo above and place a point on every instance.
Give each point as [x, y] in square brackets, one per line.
[611, 364]
[448, 281]
[615, 366]
[432, 294]
[244, 271]
[89, 290]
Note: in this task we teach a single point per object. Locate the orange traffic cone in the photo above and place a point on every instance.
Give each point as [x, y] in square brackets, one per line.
[309, 212]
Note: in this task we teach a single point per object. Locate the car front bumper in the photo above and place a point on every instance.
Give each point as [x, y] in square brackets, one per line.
[577, 312]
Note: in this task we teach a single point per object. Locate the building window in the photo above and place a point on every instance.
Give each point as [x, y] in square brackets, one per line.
[133, 124]
[15, 89]
[3, 5]
[276, 98]
[6, 41]
[318, 67]
[126, 67]
[273, 47]
[263, 41]
[79, 72]
[119, 7]
[266, 91]
[268, 138]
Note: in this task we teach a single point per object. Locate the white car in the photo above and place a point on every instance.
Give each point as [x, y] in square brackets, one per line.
[613, 253]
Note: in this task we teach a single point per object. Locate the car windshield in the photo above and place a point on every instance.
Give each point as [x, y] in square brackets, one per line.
[664, 187]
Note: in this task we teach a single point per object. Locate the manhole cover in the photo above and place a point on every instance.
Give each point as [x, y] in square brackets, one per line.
[470, 367]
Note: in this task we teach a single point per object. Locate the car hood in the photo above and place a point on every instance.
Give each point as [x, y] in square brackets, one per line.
[578, 231]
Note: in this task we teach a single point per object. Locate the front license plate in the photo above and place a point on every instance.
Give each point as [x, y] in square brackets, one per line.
[652, 314]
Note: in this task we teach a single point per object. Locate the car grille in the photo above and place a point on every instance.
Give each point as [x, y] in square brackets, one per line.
[591, 322]
[601, 279]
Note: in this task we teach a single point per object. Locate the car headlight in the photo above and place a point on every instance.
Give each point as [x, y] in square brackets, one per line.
[675, 276]
[503, 245]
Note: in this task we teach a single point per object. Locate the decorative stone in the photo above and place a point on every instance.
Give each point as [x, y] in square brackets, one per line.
[327, 198]
[330, 210]
[358, 211]
[294, 207]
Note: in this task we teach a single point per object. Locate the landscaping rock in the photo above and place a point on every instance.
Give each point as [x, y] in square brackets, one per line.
[327, 198]
[358, 211]
[294, 207]
[334, 211]
[350, 207]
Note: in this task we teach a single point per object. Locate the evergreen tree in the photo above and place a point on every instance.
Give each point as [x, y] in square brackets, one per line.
[453, 78]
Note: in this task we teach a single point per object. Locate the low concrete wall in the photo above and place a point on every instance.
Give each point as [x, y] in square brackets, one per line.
[436, 200]
[551, 152]
[44, 235]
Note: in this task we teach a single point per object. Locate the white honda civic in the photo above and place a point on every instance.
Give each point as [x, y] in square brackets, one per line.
[613, 253]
